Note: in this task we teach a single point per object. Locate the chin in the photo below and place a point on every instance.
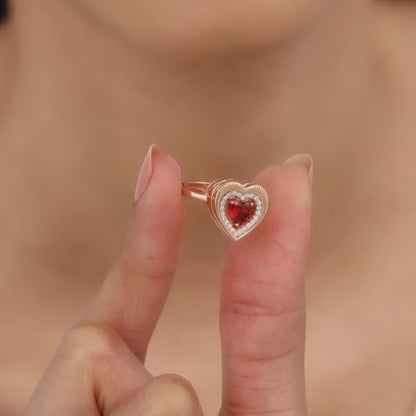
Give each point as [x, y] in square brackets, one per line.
[201, 27]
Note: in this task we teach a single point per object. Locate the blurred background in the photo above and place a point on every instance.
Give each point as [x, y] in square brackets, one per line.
[227, 88]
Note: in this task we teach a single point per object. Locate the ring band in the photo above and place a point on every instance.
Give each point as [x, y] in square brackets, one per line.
[236, 208]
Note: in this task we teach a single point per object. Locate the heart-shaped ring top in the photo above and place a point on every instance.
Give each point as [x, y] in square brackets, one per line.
[236, 208]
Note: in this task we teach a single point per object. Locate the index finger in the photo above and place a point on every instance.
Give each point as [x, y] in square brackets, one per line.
[133, 294]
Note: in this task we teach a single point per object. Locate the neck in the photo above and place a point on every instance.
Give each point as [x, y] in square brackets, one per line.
[84, 106]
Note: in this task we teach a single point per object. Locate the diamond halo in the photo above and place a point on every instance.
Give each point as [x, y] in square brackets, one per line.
[224, 191]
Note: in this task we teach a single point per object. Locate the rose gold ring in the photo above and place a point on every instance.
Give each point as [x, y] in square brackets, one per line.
[236, 208]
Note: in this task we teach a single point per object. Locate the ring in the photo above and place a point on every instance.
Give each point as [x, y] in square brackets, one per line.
[236, 208]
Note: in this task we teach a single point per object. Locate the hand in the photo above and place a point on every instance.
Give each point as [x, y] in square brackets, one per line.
[99, 367]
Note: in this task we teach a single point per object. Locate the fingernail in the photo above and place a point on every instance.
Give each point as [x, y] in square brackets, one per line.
[145, 173]
[305, 160]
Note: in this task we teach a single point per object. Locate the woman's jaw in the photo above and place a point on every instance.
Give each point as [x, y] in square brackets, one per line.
[199, 27]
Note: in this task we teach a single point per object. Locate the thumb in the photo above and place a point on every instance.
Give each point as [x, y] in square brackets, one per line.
[262, 308]
[166, 395]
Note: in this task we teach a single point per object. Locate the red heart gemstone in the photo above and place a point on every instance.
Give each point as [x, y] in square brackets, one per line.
[240, 211]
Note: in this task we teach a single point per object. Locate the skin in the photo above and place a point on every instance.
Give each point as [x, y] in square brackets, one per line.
[88, 85]
[262, 335]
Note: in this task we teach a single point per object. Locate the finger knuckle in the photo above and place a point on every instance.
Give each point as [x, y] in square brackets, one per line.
[232, 408]
[153, 270]
[175, 395]
[90, 342]
[248, 309]
[281, 329]
[148, 265]
[242, 364]
[251, 307]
